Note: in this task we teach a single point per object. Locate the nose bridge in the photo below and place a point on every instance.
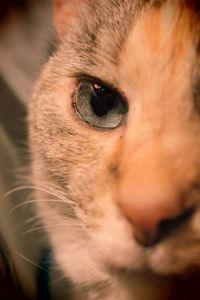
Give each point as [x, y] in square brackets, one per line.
[158, 138]
[153, 146]
[156, 158]
[150, 166]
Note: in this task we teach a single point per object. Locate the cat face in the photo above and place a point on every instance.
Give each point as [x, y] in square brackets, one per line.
[115, 126]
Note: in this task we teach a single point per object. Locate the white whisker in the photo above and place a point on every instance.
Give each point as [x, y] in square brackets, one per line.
[55, 281]
[28, 260]
[73, 221]
[30, 220]
[50, 226]
[36, 221]
[32, 187]
[33, 201]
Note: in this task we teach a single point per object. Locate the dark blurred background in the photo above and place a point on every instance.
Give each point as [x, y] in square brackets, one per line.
[9, 6]
[26, 40]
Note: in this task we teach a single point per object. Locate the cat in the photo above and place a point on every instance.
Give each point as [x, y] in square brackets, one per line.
[114, 132]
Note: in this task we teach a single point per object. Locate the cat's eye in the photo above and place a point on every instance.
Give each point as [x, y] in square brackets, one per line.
[99, 105]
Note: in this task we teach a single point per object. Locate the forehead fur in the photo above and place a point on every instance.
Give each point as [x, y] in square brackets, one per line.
[161, 43]
[95, 36]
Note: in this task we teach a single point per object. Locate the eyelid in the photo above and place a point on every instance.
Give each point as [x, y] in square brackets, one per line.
[92, 79]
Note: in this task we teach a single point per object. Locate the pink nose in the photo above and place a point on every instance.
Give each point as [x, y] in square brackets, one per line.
[155, 211]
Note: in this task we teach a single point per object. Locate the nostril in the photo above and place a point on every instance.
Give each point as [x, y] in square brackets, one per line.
[169, 225]
[146, 238]
[149, 238]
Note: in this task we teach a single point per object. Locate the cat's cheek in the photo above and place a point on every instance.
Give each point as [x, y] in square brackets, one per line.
[115, 248]
[75, 260]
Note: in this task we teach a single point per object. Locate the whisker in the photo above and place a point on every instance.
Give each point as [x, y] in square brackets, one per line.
[33, 187]
[38, 219]
[69, 220]
[33, 201]
[32, 219]
[29, 261]
[55, 281]
[49, 226]
[35, 220]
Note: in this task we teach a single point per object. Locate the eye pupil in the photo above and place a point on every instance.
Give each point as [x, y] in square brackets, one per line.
[102, 101]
